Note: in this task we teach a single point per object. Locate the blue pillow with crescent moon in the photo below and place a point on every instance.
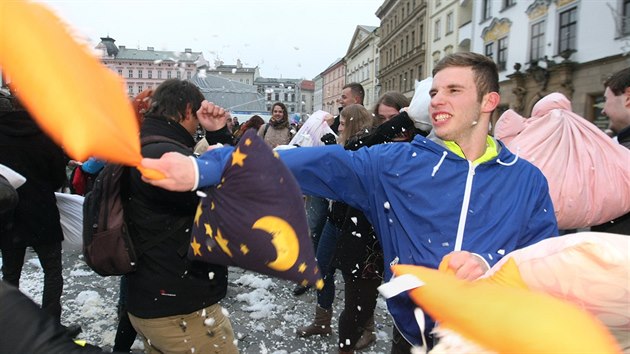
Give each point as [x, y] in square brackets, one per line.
[254, 218]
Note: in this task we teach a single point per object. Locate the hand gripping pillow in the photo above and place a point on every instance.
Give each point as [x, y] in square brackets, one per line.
[589, 269]
[587, 172]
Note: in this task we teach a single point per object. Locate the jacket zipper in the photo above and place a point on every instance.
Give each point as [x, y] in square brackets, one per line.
[464, 212]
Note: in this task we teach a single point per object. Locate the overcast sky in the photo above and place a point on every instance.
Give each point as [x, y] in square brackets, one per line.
[285, 38]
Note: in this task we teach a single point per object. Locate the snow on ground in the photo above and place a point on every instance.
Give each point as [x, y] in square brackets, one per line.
[263, 311]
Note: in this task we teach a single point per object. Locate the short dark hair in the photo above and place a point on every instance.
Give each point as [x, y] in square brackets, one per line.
[357, 90]
[285, 116]
[619, 81]
[173, 96]
[484, 69]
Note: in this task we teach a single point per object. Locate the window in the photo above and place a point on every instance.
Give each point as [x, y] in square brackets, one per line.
[168, 74]
[120, 72]
[139, 88]
[407, 43]
[436, 30]
[150, 74]
[508, 3]
[502, 53]
[420, 72]
[405, 82]
[286, 97]
[188, 75]
[179, 74]
[489, 50]
[449, 23]
[537, 42]
[269, 96]
[277, 96]
[411, 78]
[486, 10]
[159, 74]
[139, 74]
[130, 90]
[130, 74]
[413, 38]
[568, 29]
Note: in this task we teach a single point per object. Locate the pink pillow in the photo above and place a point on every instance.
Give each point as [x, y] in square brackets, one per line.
[590, 269]
[587, 172]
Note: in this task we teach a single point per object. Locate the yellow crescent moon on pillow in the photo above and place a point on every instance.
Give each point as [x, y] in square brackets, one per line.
[284, 240]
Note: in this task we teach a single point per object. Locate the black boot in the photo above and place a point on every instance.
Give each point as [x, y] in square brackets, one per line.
[299, 289]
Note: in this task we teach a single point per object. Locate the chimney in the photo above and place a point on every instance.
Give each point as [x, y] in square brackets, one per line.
[187, 50]
[121, 46]
[150, 48]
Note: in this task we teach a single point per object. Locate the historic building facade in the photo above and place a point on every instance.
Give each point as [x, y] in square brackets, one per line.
[333, 81]
[362, 60]
[403, 44]
[146, 69]
[555, 46]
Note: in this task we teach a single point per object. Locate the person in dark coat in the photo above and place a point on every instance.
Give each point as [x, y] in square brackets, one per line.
[35, 220]
[173, 303]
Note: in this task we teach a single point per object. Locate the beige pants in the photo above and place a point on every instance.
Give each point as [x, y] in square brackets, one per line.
[201, 332]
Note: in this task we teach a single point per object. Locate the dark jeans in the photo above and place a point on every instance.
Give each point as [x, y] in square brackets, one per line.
[360, 301]
[50, 258]
[125, 333]
[325, 252]
[316, 215]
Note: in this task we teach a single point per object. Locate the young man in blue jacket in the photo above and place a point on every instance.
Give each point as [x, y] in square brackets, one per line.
[458, 191]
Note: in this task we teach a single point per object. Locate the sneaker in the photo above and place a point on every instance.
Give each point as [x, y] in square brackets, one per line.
[72, 330]
[299, 290]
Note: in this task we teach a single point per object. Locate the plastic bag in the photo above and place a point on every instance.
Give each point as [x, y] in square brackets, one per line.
[312, 131]
[71, 217]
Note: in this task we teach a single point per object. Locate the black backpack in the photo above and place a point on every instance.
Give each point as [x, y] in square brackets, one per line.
[107, 245]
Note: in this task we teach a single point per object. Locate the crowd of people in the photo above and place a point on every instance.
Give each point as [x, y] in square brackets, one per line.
[379, 192]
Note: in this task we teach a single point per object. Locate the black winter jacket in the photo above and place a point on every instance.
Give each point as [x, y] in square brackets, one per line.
[28, 151]
[166, 283]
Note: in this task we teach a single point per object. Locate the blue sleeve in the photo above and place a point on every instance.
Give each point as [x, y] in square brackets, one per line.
[332, 172]
[211, 165]
[326, 171]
